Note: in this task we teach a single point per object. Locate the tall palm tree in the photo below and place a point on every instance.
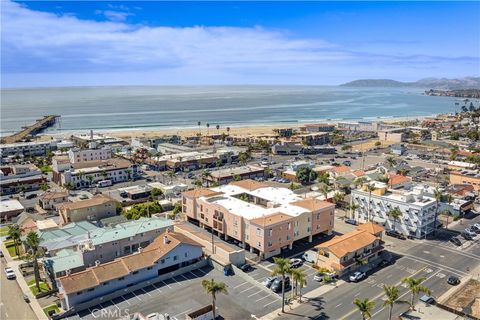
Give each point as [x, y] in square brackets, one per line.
[228, 130]
[415, 286]
[208, 129]
[365, 307]
[243, 157]
[206, 175]
[392, 295]
[15, 233]
[282, 268]
[299, 277]
[324, 190]
[395, 214]
[391, 161]
[212, 287]
[33, 242]
[438, 197]
[353, 207]
[44, 186]
[370, 189]
[324, 178]
[359, 181]
[199, 130]
[218, 129]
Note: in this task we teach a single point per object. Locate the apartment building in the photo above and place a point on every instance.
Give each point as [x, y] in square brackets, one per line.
[93, 209]
[416, 204]
[319, 127]
[89, 173]
[169, 252]
[26, 149]
[15, 179]
[264, 219]
[346, 253]
[81, 155]
[224, 176]
[471, 177]
[184, 161]
[50, 199]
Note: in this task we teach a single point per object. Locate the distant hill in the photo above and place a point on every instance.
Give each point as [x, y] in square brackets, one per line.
[433, 83]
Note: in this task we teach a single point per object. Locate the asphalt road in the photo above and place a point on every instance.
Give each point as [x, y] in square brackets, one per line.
[13, 308]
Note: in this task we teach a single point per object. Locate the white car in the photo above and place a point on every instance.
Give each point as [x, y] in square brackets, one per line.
[357, 276]
[10, 273]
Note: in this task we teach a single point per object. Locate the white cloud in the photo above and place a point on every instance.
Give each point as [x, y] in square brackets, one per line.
[39, 43]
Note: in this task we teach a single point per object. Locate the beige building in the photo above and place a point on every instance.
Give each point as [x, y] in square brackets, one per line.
[466, 177]
[96, 208]
[346, 253]
[50, 199]
[225, 176]
[264, 219]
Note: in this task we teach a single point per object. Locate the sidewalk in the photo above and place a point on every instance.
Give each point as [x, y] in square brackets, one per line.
[14, 264]
[318, 292]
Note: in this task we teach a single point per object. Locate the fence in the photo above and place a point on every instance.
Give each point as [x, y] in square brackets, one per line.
[455, 311]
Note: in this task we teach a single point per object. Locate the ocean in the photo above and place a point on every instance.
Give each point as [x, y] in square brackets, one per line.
[121, 108]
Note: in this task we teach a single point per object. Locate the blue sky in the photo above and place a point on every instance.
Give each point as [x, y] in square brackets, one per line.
[193, 43]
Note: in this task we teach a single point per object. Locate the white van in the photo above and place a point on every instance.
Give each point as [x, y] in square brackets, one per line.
[310, 256]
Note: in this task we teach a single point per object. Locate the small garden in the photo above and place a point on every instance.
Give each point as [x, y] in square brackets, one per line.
[50, 309]
[11, 248]
[43, 287]
[3, 231]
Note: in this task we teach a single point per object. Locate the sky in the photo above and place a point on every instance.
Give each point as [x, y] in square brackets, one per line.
[101, 43]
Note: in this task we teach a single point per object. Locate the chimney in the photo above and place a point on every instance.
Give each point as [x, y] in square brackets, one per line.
[166, 240]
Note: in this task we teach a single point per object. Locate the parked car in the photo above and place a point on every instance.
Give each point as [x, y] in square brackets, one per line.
[31, 196]
[10, 273]
[395, 234]
[321, 275]
[357, 276]
[296, 262]
[268, 281]
[427, 299]
[277, 284]
[466, 236]
[455, 241]
[246, 267]
[310, 256]
[351, 221]
[347, 163]
[453, 280]
[474, 228]
[470, 232]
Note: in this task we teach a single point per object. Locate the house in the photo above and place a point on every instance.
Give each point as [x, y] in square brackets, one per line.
[169, 252]
[10, 209]
[264, 219]
[397, 181]
[50, 199]
[93, 209]
[171, 190]
[346, 253]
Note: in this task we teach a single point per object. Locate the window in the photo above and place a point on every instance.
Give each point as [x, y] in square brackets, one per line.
[175, 258]
[308, 219]
[259, 244]
[79, 293]
[288, 237]
[270, 243]
[149, 268]
[308, 229]
[270, 232]
[162, 261]
[105, 283]
[258, 232]
[121, 278]
[289, 226]
[186, 254]
[91, 289]
[318, 216]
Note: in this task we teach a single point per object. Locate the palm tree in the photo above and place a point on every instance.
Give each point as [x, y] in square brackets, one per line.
[300, 279]
[212, 287]
[32, 242]
[392, 295]
[359, 181]
[44, 186]
[206, 175]
[199, 130]
[228, 130]
[353, 207]
[282, 268]
[336, 180]
[337, 197]
[324, 189]
[218, 129]
[171, 174]
[243, 157]
[208, 129]
[365, 307]
[438, 197]
[90, 179]
[15, 233]
[391, 161]
[415, 286]
[370, 189]
[324, 178]
[394, 213]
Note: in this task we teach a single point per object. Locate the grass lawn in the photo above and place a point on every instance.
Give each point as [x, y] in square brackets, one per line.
[11, 250]
[52, 307]
[3, 231]
[43, 287]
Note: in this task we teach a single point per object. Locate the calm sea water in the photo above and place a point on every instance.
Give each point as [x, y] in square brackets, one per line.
[117, 108]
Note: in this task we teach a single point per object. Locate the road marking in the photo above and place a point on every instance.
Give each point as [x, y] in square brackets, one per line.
[441, 275]
[338, 305]
[435, 264]
[166, 284]
[203, 272]
[269, 304]
[442, 256]
[125, 300]
[357, 294]
[136, 296]
[262, 298]
[246, 289]
[255, 293]
[176, 281]
[196, 276]
[185, 277]
[240, 285]
[426, 252]
[428, 270]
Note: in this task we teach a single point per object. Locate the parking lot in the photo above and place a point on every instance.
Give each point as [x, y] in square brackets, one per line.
[183, 294]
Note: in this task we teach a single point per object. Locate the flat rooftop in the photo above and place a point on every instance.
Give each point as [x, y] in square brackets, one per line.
[235, 171]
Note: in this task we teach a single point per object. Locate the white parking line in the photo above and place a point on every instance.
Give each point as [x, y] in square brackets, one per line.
[115, 305]
[125, 300]
[255, 293]
[176, 281]
[166, 284]
[194, 274]
[247, 289]
[185, 277]
[263, 298]
[136, 296]
[182, 313]
[146, 292]
[269, 304]
[338, 305]
[204, 273]
[240, 285]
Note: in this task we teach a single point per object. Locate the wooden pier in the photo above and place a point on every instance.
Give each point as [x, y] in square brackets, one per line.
[38, 126]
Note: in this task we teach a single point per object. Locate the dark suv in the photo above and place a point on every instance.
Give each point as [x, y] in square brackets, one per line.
[277, 284]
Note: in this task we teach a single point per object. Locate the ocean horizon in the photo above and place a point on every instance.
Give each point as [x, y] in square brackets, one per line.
[120, 108]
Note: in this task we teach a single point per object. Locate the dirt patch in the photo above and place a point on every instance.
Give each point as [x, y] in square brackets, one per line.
[465, 297]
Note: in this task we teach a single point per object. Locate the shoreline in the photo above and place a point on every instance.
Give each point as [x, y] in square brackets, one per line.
[238, 130]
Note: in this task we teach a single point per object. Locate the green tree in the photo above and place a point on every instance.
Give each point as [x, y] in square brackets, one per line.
[391, 161]
[206, 175]
[212, 287]
[243, 158]
[306, 175]
[337, 197]
[300, 279]
[15, 233]
[44, 186]
[155, 193]
[353, 207]
[33, 242]
[282, 268]
[346, 147]
[324, 178]
[324, 190]
[392, 295]
[395, 214]
[415, 286]
[378, 144]
[365, 307]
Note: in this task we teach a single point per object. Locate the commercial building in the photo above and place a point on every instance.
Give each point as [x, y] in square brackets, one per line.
[83, 155]
[169, 252]
[10, 209]
[471, 177]
[264, 219]
[184, 161]
[224, 176]
[346, 253]
[460, 165]
[93, 209]
[16, 179]
[392, 135]
[417, 208]
[287, 148]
